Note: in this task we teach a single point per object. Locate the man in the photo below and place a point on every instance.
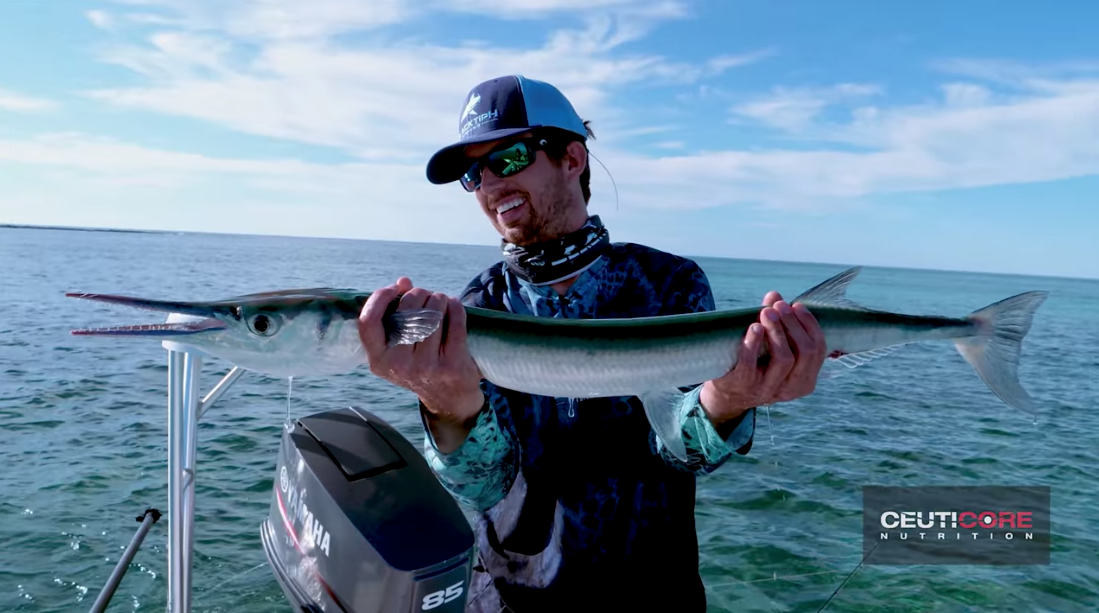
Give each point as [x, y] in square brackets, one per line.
[580, 506]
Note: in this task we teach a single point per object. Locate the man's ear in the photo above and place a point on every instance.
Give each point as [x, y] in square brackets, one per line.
[576, 158]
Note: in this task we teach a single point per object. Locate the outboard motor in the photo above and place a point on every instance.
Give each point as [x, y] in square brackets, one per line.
[360, 524]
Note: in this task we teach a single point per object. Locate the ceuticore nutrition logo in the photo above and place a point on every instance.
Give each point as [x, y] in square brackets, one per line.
[956, 525]
[952, 524]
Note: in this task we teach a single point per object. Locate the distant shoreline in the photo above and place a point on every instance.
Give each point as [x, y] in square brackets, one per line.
[81, 229]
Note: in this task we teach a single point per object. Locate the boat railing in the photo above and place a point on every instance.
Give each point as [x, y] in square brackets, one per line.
[185, 409]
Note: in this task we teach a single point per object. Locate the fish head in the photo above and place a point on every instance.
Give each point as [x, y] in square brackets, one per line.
[283, 333]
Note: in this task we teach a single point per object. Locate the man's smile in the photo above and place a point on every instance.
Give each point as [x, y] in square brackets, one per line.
[507, 206]
[511, 209]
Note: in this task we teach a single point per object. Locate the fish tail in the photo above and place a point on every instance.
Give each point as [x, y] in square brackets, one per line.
[994, 351]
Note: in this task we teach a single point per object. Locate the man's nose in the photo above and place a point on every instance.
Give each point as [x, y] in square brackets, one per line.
[489, 181]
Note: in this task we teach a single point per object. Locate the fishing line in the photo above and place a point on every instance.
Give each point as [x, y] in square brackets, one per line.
[289, 392]
[776, 577]
[237, 576]
[611, 177]
[767, 410]
[849, 575]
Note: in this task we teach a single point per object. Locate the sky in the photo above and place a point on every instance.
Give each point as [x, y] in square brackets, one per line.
[951, 136]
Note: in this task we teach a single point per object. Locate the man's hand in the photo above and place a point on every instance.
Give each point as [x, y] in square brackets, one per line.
[795, 344]
[439, 369]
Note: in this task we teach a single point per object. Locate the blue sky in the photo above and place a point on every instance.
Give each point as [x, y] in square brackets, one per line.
[959, 136]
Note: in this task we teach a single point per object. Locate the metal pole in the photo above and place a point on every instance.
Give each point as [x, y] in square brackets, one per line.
[185, 409]
[177, 570]
[219, 389]
[223, 386]
[192, 371]
[147, 520]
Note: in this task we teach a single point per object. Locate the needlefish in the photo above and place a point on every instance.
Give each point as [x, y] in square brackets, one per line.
[314, 332]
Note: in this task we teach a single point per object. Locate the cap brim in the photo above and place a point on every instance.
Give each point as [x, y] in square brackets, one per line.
[450, 163]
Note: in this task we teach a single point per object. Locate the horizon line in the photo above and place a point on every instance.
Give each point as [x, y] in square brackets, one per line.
[460, 244]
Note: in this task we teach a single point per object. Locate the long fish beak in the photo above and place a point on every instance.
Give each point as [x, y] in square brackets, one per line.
[207, 312]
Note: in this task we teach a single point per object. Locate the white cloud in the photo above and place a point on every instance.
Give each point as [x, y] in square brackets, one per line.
[279, 19]
[1048, 78]
[794, 109]
[1007, 72]
[110, 161]
[965, 95]
[100, 19]
[272, 19]
[535, 9]
[151, 19]
[392, 102]
[269, 20]
[1025, 124]
[385, 98]
[109, 156]
[20, 103]
[936, 147]
[106, 182]
[722, 63]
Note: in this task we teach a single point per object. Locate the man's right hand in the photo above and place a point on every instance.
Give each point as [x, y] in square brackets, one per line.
[439, 369]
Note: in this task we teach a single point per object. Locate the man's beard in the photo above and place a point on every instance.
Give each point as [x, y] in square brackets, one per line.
[546, 222]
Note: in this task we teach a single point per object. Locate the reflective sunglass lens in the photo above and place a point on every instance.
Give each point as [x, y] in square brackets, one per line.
[502, 163]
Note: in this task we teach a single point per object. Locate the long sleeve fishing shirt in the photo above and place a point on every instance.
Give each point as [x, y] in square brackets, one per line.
[576, 500]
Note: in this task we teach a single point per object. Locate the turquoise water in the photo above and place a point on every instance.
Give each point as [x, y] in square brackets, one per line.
[83, 431]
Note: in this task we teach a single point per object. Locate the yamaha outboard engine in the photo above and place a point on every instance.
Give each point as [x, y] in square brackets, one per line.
[360, 524]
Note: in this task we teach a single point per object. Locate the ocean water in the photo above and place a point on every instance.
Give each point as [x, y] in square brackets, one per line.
[83, 431]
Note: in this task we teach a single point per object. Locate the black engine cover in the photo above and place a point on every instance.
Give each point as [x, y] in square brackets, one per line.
[360, 524]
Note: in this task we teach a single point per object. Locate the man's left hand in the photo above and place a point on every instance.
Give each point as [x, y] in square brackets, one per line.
[793, 340]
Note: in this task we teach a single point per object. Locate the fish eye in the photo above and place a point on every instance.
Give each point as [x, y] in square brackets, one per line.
[263, 324]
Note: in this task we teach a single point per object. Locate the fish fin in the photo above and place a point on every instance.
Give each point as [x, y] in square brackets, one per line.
[410, 326]
[662, 410]
[854, 360]
[832, 292]
[994, 351]
[850, 361]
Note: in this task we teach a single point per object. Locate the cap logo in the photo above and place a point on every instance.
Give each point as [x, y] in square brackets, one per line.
[471, 106]
[478, 121]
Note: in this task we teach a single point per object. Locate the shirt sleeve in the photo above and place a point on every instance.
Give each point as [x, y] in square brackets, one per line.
[480, 472]
[706, 448]
[689, 292]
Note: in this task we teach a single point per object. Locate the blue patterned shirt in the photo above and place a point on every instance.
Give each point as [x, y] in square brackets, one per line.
[574, 495]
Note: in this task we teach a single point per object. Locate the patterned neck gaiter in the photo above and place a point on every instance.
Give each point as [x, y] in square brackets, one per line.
[559, 259]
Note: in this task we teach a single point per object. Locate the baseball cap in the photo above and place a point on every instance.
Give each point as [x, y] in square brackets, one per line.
[499, 108]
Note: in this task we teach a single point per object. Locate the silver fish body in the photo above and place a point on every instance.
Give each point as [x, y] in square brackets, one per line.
[589, 358]
[314, 333]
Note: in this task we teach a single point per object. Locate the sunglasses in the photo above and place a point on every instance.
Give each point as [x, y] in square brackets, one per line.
[502, 162]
